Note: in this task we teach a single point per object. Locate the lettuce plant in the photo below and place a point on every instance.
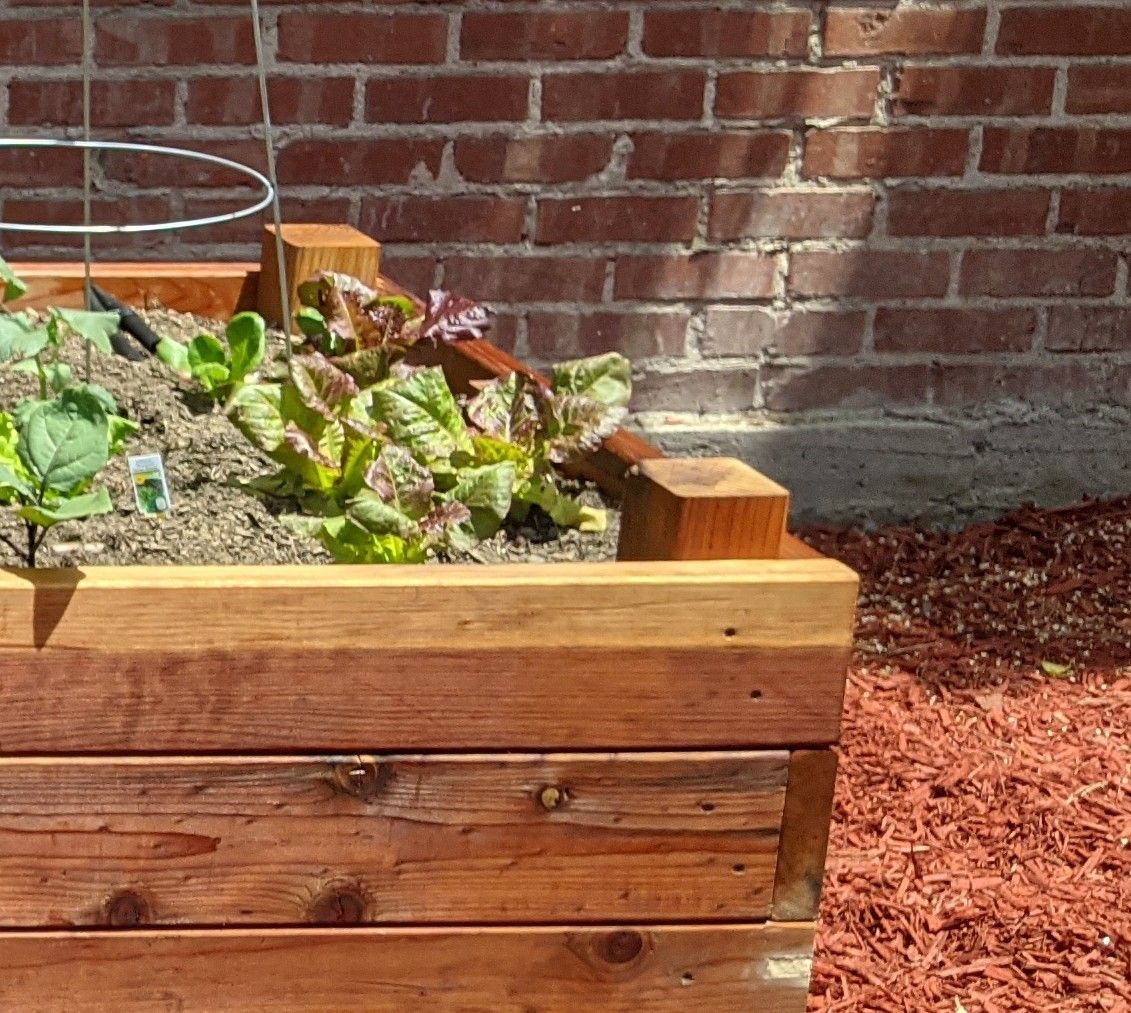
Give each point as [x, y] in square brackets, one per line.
[220, 370]
[386, 464]
[52, 447]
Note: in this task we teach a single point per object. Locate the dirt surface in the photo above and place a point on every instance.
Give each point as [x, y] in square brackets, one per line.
[981, 848]
[212, 521]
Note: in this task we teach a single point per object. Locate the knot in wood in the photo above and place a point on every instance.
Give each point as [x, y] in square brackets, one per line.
[363, 778]
[553, 796]
[620, 947]
[126, 908]
[338, 905]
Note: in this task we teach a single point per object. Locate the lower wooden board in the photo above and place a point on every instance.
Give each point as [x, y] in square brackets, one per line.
[724, 654]
[395, 839]
[706, 969]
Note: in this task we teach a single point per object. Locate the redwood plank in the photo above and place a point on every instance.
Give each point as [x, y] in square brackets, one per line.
[615, 969]
[292, 840]
[574, 656]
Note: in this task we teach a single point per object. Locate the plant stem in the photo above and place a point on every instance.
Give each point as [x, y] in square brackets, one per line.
[42, 374]
[32, 543]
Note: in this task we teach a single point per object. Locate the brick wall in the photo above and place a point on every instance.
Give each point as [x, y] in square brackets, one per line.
[775, 208]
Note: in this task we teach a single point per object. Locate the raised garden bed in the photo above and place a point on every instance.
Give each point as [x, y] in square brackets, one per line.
[581, 785]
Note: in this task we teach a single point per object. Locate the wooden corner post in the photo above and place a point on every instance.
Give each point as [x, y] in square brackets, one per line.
[701, 508]
[308, 249]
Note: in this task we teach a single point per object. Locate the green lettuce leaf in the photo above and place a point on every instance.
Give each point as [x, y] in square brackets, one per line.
[422, 415]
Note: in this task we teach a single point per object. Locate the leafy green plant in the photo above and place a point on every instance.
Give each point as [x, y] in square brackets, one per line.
[221, 370]
[385, 462]
[52, 447]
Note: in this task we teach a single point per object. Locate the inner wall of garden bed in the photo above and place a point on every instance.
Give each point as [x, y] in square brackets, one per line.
[580, 785]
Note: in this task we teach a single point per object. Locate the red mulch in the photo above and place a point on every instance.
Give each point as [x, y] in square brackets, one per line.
[981, 849]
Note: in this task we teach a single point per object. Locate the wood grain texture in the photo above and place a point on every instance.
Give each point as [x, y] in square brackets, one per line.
[708, 969]
[485, 839]
[701, 508]
[308, 249]
[805, 834]
[210, 289]
[574, 656]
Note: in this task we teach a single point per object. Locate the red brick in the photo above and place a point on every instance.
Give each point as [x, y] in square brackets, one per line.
[449, 99]
[234, 101]
[150, 170]
[1056, 150]
[974, 91]
[939, 212]
[871, 274]
[604, 95]
[115, 210]
[550, 158]
[637, 335]
[1095, 212]
[733, 275]
[249, 231]
[715, 33]
[165, 41]
[503, 331]
[778, 94]
[1038, 272]
[113, 103]
[1069, 30]
[956, 331]
[363, 38]
[732, 154]
[415, 273]
[443, 219]
[41, 41]
[581, 35]
[791, 214]
[967, 384]
[1099, 88]
[527, 279]
[744, 330]
[805, 388]
[609, 219]
[704, 391]
[865, 31]
[358, 161]
[1089, 329]
[860, 152]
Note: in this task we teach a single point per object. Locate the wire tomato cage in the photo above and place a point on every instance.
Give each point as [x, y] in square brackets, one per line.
[267, 197]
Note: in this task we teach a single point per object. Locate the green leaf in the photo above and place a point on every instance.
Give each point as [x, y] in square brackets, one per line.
[120, 430]
[422, 415]
[400, 302]
[175, 356]
[349, 543]
[59, 376]
[257, 412]
[605, 378]
[311, 322]
[208, 362]
[398, 480]
[96, 327]
[100, 394]
[486, 492]
[72, 509]
[378, 517]
[505, 409]
[19, 338]
[1056, 670]
[11, 287]
[247, 340]
[65, 441]
[322, 386]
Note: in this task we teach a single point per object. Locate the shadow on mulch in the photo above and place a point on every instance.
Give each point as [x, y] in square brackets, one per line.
[980, 853]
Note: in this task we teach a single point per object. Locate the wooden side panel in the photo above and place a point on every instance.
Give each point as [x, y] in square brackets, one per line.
[575, 656]
[214, 290]
[708, 969]
[805, 834]
[450, 839]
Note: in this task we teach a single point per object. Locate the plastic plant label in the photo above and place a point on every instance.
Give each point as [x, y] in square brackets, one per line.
[151, 488]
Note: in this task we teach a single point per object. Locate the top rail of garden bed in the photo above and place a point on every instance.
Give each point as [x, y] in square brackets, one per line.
[219, 289]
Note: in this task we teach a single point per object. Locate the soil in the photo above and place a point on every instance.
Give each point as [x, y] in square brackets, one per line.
[980, 854]
[212, 521]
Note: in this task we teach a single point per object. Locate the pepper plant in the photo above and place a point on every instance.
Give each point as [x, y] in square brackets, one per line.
[53, 447]
[385, 462]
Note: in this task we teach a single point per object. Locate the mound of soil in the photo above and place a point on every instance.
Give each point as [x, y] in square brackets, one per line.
[213, 521]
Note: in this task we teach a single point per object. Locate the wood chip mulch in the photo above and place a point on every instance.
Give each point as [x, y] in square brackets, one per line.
[980, 858]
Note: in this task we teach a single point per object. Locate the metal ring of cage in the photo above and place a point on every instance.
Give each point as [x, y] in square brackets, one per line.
[151, 149]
